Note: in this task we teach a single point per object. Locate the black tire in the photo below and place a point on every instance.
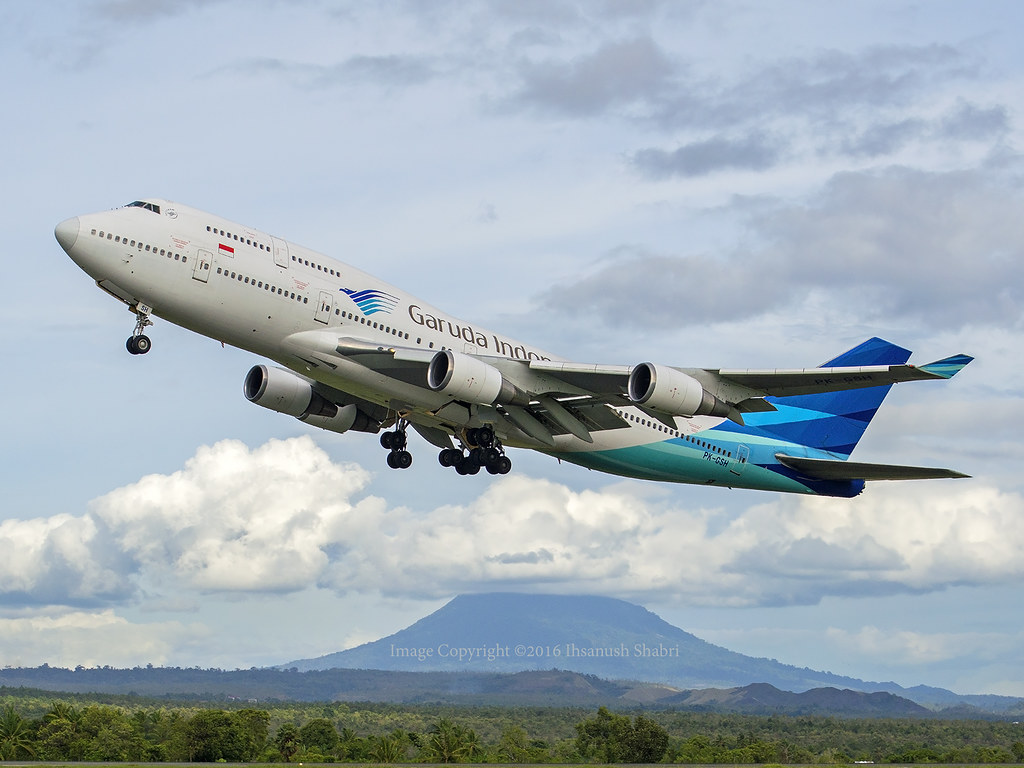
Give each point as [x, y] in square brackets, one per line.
[472, 436]
[485, 437]
[403, 459]
[130, 345]
[447, 457]
[392, 460]
[142, 344]
[504, 465]
[398, 440]
[387, 440]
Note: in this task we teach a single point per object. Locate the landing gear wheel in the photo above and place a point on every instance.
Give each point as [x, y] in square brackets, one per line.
[138, 345]
[449, 457]
[403, 459]
[481, 449]
[386, 440]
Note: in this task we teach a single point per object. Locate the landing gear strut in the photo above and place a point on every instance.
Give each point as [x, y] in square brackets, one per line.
[138, 343]
[395, 442]
[481, 449]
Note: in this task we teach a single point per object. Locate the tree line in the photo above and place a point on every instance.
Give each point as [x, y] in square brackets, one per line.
[81, 729]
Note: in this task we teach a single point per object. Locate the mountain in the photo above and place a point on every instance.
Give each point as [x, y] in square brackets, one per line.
[615, 640]
[609, 638]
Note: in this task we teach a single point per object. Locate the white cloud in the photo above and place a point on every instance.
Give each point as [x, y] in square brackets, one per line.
[92, 639]
[235, 519]
[60, 559]
[908, 648]
[284, 517]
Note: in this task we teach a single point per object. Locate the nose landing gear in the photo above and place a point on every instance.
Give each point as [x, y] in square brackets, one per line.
[138, 343]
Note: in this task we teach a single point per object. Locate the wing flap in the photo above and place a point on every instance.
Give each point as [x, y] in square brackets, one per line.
[832, 469]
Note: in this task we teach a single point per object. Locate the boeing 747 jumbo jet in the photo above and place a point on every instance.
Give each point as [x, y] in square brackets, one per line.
[358, 354]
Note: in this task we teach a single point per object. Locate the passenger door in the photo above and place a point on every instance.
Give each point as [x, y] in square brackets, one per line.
[324, 307]
[204, 263]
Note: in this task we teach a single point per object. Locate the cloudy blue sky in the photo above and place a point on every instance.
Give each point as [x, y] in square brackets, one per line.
[713, 184]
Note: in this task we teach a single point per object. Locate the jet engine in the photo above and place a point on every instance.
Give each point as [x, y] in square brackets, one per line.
[469, 379]
[667, 390]
[284, 392]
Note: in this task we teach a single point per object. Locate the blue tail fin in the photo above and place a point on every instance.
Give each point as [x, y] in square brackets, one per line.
[833, 421]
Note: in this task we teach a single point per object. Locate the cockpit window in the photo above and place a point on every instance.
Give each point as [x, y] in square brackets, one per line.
[143, 204]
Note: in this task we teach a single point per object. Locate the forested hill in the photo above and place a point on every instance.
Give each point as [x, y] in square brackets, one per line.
[551, 688]
[600, 636]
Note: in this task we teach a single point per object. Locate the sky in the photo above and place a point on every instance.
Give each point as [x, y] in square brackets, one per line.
[712, 184]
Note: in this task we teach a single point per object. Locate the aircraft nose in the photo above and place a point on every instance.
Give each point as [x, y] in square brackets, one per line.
[67, 233]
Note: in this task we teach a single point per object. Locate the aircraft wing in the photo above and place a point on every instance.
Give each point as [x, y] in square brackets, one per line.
[807, 381]
[735, 385]
[829, 469]
[569, 397]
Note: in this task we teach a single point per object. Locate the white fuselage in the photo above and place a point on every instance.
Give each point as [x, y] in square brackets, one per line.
[277, 299]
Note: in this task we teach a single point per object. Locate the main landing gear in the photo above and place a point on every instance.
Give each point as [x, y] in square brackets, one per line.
[395, 442]
[481, 449]
[484, 451]
[138, 343]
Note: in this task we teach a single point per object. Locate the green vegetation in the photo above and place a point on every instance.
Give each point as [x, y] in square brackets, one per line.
[36, 726]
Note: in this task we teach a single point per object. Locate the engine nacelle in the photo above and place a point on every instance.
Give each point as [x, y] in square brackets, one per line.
[464, 377]
[348, 417]
[673, 392]
[284, 392]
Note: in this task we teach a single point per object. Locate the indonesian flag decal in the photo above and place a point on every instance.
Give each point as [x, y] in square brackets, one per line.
[226, 249]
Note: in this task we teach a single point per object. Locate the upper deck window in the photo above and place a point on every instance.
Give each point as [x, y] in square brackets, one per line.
[143, 204]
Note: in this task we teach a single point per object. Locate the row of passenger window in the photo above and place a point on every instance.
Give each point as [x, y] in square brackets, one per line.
[246, 240]
[177, 256]
[263, 247]
[662, 428]
[314, 265]
[379, 326]
[260, 284]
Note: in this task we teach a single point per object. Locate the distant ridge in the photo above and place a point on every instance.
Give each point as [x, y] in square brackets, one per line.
[549, 688]
[602, 636]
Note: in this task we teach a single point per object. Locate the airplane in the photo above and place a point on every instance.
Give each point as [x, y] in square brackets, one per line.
[355, 353]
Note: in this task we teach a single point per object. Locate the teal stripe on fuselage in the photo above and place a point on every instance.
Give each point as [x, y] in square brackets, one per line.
[679, 461]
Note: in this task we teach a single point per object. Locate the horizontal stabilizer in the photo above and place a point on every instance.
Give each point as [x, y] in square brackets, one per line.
[831, 469]
[948, 367]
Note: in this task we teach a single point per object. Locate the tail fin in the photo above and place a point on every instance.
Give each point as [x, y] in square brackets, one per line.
[834, 421]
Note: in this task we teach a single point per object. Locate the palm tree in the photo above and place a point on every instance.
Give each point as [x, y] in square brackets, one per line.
[61, 710]
[15, 740]
[450, 742]
[387, 749]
